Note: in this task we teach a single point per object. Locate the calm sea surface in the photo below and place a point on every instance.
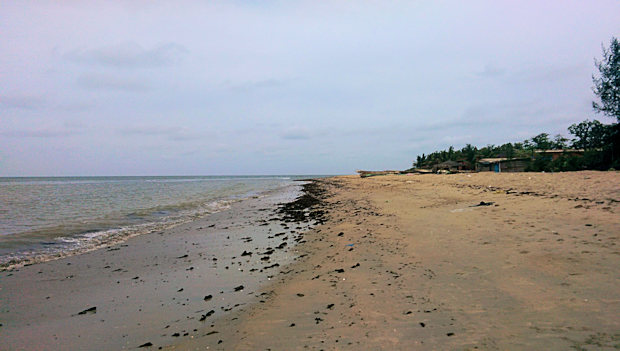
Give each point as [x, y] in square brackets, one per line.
[46, 217]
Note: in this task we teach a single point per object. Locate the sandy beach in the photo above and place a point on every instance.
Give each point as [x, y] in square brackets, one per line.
[411, 263]
[485, 261]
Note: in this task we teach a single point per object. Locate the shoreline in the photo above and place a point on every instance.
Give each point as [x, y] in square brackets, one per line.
[465, 261]
[104, 238]
[153, 288]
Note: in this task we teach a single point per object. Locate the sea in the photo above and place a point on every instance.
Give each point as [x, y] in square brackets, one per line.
[44, 218]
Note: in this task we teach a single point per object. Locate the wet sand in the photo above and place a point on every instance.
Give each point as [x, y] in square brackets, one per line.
[154, 289]
[482, 261]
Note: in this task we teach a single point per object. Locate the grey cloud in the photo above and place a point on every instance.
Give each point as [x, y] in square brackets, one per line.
[490, 71]
[129, 55]
[74, 106]
[171, 132]
[372, 84]
[547, 74]
[473, 117]
[148, 130]
[494, 123]
[34, 102]
[523, 113]
[374, 131]
[27, 102]
[534, 73]
[562, 72]
[109, 82]
[39, 133]
[260, 84]
[296, 133]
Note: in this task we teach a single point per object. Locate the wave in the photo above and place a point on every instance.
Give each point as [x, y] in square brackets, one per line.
[75, 238]
[42, 222]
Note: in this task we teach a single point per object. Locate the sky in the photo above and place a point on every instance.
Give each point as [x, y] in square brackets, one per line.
[285, 87]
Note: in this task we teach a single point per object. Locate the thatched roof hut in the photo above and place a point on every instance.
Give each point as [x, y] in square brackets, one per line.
[450, 165]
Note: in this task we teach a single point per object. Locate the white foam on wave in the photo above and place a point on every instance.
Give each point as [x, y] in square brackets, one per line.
[82, 243]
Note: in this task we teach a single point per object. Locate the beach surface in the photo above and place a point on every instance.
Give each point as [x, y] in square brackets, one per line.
[510, 261]
[521, 261]
[153, 289]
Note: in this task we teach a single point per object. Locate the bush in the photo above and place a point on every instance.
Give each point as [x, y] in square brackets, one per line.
[539, 164]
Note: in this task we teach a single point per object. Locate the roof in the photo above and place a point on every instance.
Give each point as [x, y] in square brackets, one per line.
[449, 163]
[492, 160]
[501, 159]
[559, 151]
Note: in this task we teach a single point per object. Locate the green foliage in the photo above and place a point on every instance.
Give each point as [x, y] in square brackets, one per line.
[600, 142]
[591, 134]
[607, 83]
[559, 142]
[469, 154]
[541, 142]
[539, 164]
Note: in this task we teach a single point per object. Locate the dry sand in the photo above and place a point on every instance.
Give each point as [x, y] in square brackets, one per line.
[403, 263]
[409, 263]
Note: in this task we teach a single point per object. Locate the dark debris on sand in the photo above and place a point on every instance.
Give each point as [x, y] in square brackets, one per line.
[306, 207]
[88, 311]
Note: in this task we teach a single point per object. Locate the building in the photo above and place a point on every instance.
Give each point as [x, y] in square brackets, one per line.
[552, 155]
[502, 164]
[450, 166]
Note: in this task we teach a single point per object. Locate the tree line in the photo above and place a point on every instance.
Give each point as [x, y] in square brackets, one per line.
[600, 142]
[594, 137]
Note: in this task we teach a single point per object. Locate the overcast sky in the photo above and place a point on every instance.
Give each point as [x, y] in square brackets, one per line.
[285, 87]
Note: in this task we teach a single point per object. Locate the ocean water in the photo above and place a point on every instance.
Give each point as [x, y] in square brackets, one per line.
[44, 218]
